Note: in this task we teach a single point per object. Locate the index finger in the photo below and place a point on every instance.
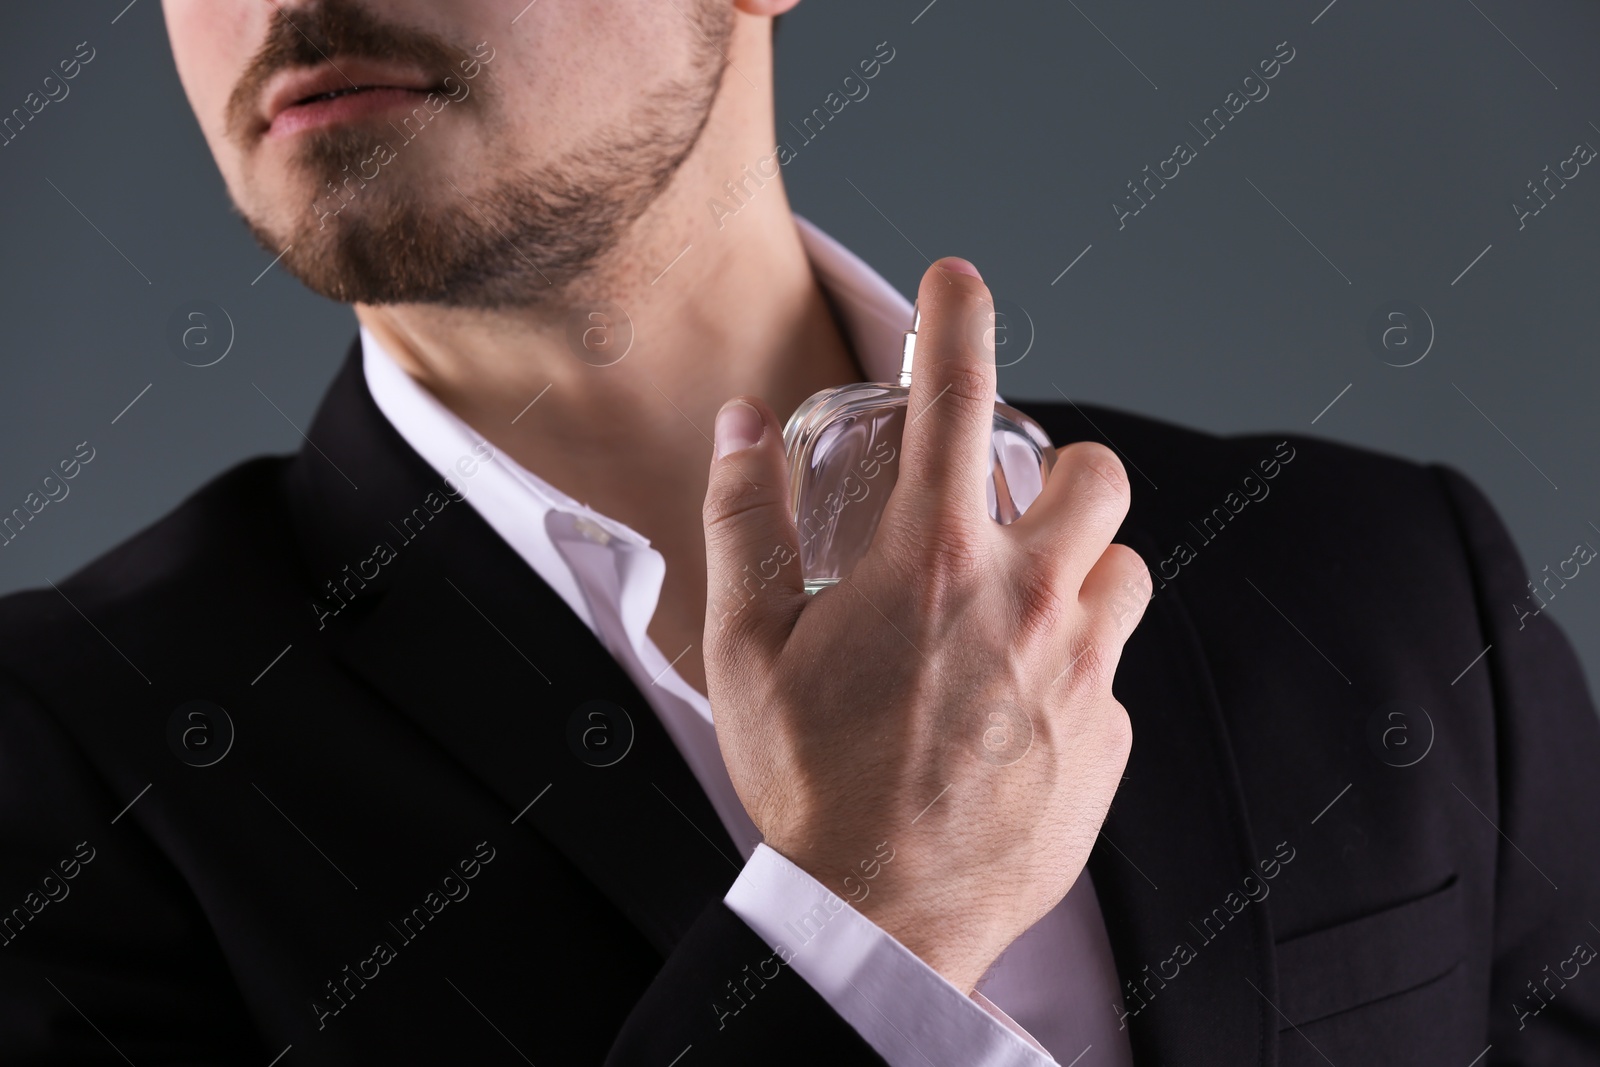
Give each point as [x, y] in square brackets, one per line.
[951, 416]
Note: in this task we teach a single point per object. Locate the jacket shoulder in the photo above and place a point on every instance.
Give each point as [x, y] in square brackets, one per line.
[193, 561]
[1175, 469]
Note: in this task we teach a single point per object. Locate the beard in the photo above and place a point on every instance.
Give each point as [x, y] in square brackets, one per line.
[522, 237]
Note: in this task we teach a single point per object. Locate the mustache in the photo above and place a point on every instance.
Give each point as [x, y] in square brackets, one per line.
[329, 28]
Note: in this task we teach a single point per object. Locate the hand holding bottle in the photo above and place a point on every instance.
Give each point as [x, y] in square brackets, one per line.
[952, 695]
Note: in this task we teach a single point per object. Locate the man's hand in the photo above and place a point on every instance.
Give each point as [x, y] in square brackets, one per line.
[949, 703]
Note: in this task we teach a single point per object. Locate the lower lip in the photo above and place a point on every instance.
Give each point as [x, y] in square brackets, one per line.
[352, 107]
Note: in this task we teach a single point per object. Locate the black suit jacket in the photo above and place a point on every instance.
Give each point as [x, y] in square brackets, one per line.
[393, 844]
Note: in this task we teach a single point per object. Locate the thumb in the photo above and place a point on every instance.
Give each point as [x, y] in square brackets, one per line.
[754, 589]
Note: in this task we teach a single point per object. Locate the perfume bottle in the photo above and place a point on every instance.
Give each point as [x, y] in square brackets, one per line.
[844, 449]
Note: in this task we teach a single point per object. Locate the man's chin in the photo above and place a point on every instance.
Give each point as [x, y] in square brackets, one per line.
[382, 252]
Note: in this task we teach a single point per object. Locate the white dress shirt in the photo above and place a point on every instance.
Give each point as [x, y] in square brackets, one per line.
[1052, 993]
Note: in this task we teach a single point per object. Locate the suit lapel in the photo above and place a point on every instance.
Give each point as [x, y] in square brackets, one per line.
[1174, 849]
[460, 635]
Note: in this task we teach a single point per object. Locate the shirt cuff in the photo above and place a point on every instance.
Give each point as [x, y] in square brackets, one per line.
[908, 1012]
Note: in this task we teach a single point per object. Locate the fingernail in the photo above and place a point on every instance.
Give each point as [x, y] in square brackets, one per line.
[960, 266]
[738, 427]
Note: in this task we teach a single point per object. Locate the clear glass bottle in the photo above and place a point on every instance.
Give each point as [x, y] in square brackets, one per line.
[844, 453]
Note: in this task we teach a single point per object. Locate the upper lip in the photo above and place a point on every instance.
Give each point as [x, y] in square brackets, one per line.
[290, 87]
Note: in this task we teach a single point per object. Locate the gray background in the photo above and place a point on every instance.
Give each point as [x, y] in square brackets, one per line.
[1390, 150]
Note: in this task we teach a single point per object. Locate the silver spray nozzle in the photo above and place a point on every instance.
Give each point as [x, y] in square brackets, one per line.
[908, 347]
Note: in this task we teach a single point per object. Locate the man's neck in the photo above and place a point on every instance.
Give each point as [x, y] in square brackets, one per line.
[632, 439]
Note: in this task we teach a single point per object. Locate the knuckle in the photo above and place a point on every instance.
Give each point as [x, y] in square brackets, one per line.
[1094, 457]
[736, 642]
[1045, 560]
[1093, 664]
[965, 380]
[949, 554]
[729, 615]
[1041, 608]
[732, 500]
